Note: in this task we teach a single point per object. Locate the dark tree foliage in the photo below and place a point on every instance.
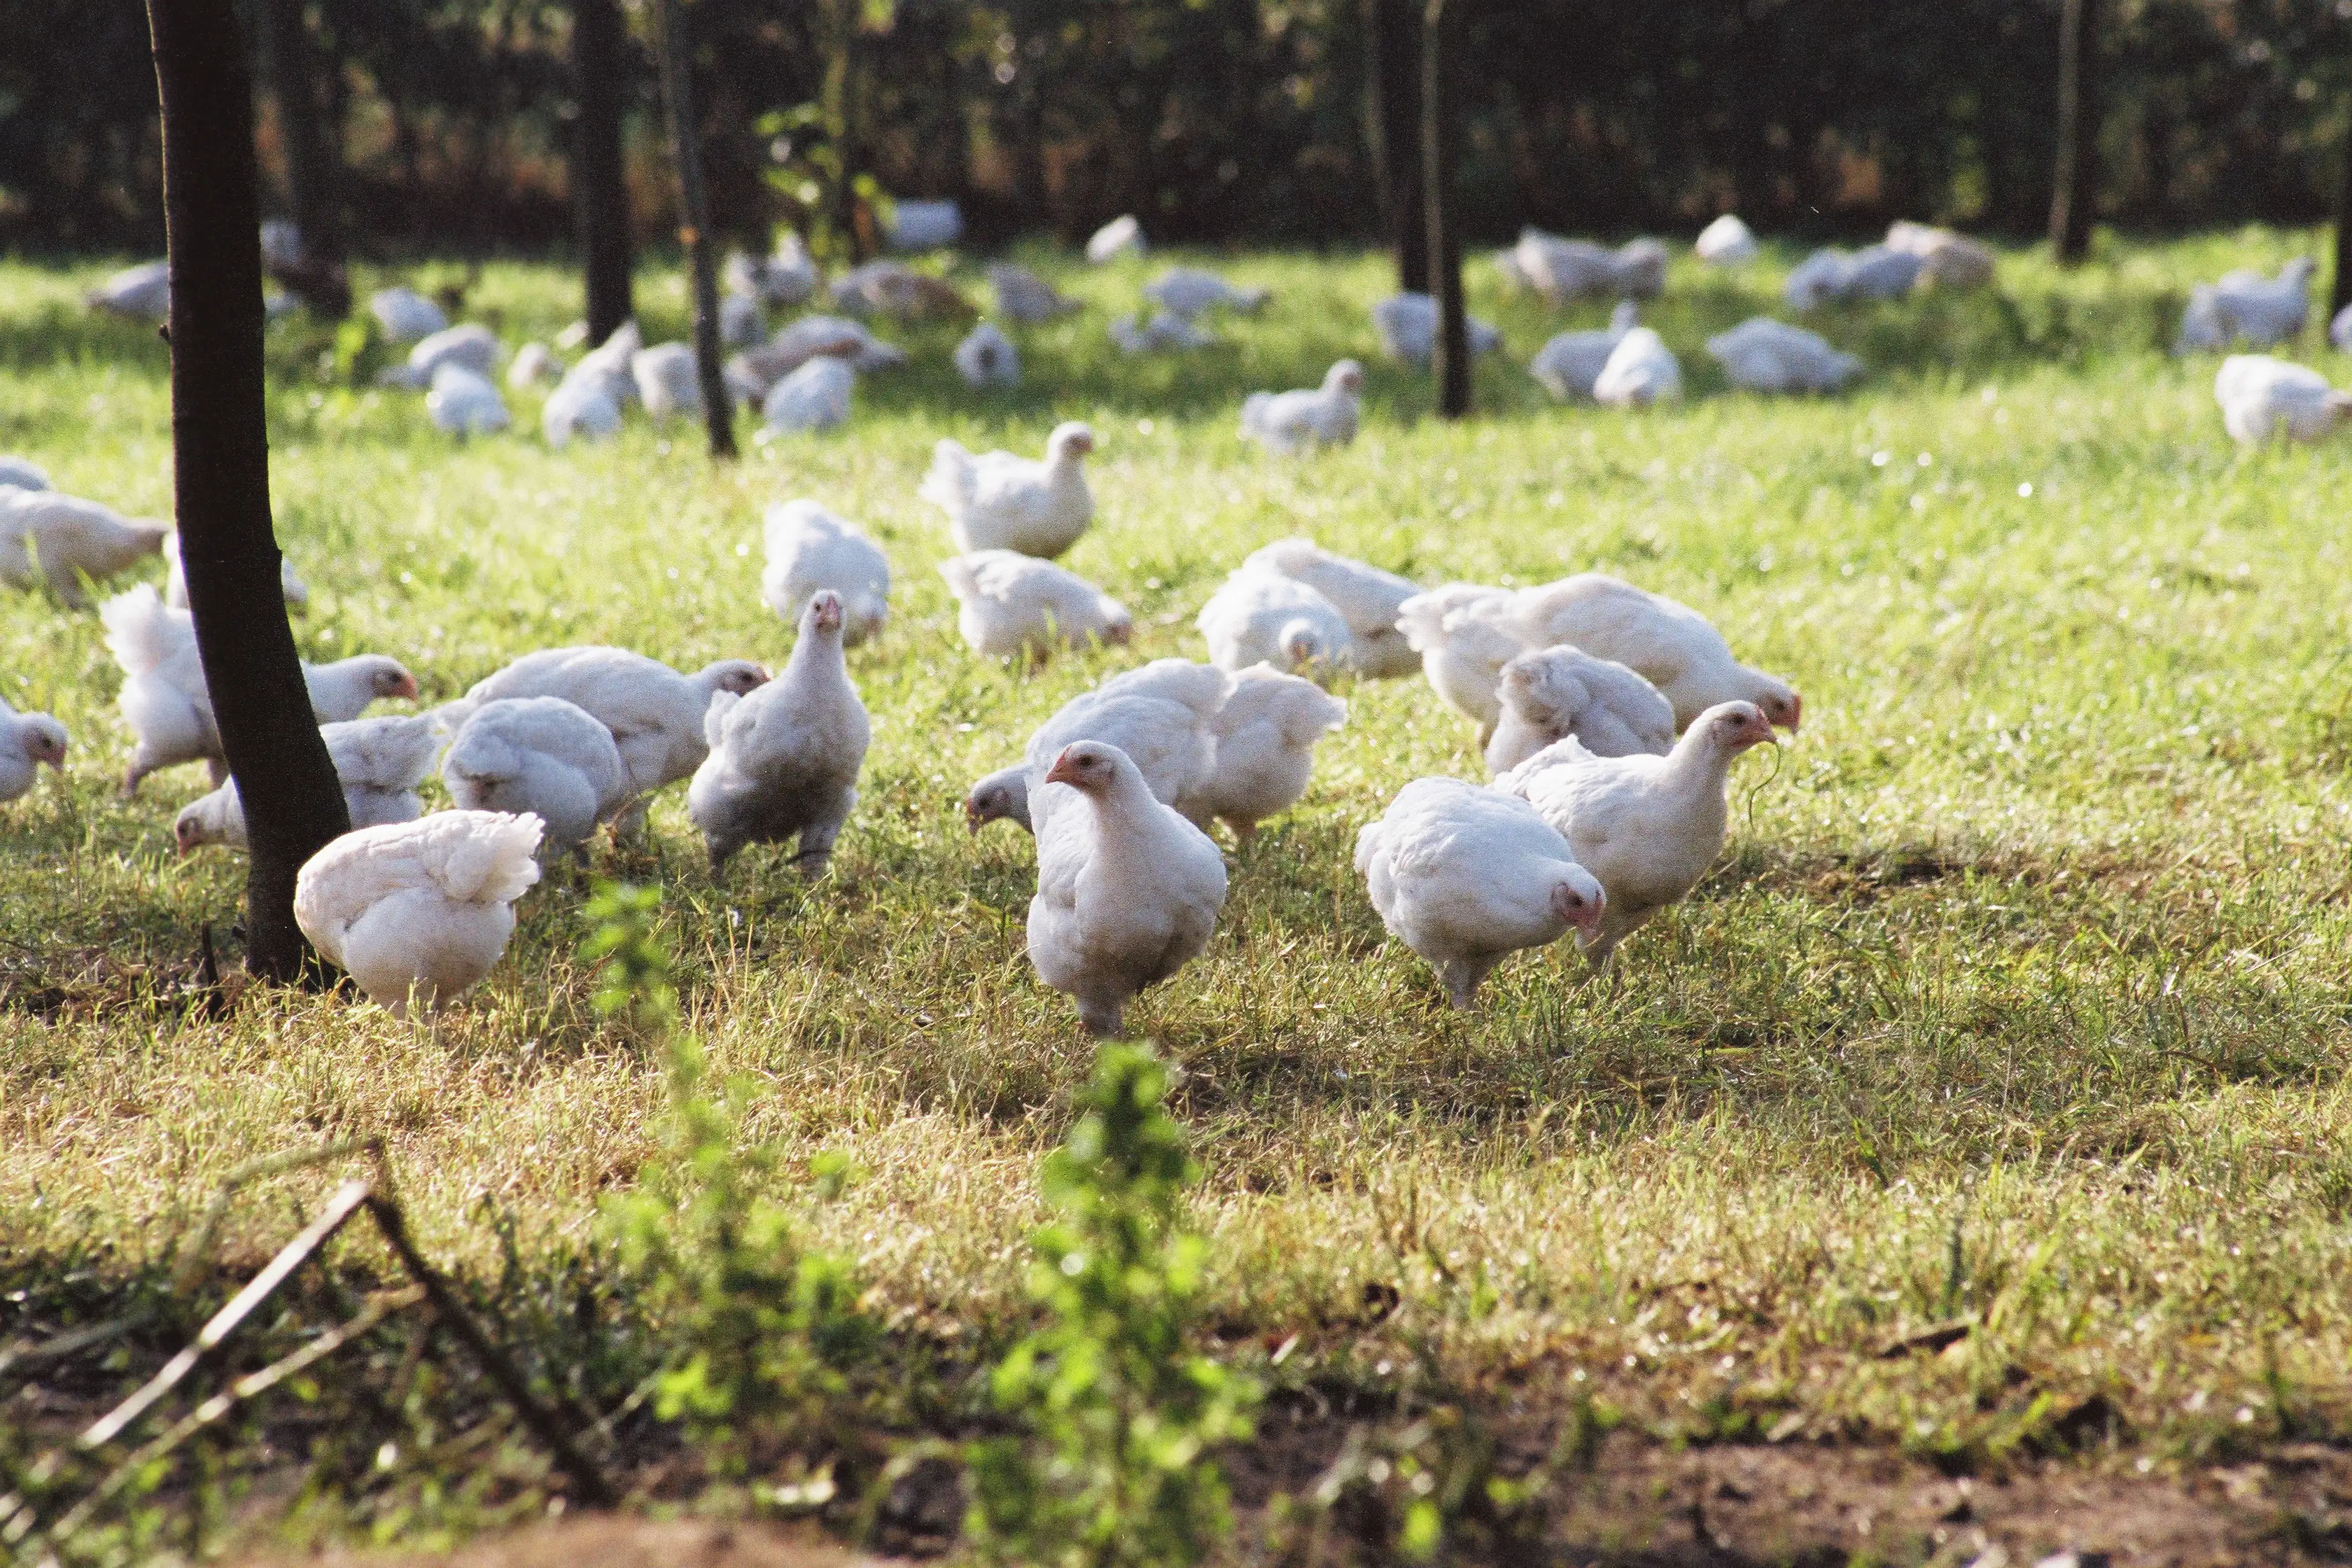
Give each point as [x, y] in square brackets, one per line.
[220, 455]
[600, 57]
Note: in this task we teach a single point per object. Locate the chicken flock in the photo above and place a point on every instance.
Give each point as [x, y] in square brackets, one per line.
[1608, 717]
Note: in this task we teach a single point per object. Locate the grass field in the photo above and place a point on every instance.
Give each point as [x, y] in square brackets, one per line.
[2022, 995]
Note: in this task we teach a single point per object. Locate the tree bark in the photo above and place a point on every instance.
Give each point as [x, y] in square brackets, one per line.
[310, 163]
[2074, 189]
[600, 70]
[685, 147]
[1392, 134]
[2340, 292]
[1451, 359]
[220, 448]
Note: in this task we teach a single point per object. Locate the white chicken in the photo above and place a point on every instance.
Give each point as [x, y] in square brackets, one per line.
[533, 362]
[1264, 617]
[1876, 272]
[464, 403]
[1266, 731]
[786, 279]
[1465, 877]
[62, 541]
[290, 586]
[1163, 715]
[1366, 597]
[405, 315]
[741, 324]
[1000, 501]
[418, 912]
[1762, 355]
[1122, 236]
[665, 380]
[1569, 364]
[1307, 420]
[1021, 296]
[1946, 259]
[1127, 890]
[1162, 334]
[379, 762]
[168, 706]
[986, 357]
[809, 548]
[607, 364]
[2245, 306]
[1552, 693]
[1407, 325]
[1726, 242]
[1464, 634]
[655, 714]
[783, 761]
[26, 740]
[1192, 292]
[923, 224]
[1008, 603]
[473, 346]
[1648, 826]
[143, 293]
[582, 406]
[1671, 645]
[754, 373]
[2339, 333]
[1562, 270]
[22, 474]
[1641, 371]
[542, 755]
[812, 399]
[2262, 398]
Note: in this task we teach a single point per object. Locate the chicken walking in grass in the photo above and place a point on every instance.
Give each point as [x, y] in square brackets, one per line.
[1266, 730]
[1010, 603]
[1127, 890]
[1648, 826]
[1192, 292]
[1554, 693]
[1264, 617]
[1000, 501]
[2262, 398]
[808, 548]
[987, 358]
[64, 541]
[542, 755]
[418, 912]
[1287, 423]
[1569, 364]
[1367, 599]
[783, 761]
[1465, 877]
[379, 762]
[1162, 715]
[26, 741]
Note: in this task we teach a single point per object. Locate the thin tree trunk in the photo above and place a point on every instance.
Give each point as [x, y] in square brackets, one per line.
[1392, 134]
[220, 449]
[2340, 295]
[310, 163]
[1451, 361]
[2075, 184]
[600, 70]
[685, 147]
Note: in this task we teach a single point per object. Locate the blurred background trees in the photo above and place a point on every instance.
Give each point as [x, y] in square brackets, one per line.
[450, 124]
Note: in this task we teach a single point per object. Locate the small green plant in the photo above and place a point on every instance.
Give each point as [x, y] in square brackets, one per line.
[1114, 1465]
[768, 1332]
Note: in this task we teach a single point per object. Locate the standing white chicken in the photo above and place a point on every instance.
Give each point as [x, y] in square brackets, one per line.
[1464, 635]
[987, 358]
[419, 911]
[1465, 877]
[533, 362]
[474, 346]
[1000, 501]
[1190, 292]
[1122, 236]
[143, 293]
[1304, 421]
[1570, 362]
[1641, 371]
[290, 586]
[1552, 693]
[1260, 616]
[1008, 603]
[1021, 296]
[808, 547]
[543, 755]
[168, 706]
[2245, 305]
[666, 381]
[1648, 826]
[580, 405]
[1407, 326]
[1128, 891]
[1762, 355]
[1163, 715]
[379, 762]
[1368, 597]
[465, 403]
[1164, 333]
[405, 315]
[1671, 645]
[2262, 396]
[60, 540]
[26, 740]
[785, 760]
[1726, 242]
[655, 714]
[812, 399]
[1266, 731]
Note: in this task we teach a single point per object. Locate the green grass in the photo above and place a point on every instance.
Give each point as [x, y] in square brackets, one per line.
[2023, 991]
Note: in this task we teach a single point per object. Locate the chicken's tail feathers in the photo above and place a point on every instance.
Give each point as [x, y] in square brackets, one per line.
[141, 631]
[490, 858]
[1254, 412]
[949, 483]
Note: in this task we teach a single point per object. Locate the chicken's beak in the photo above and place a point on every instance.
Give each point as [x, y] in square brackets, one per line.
[970, 817]
[407, 686]
[1064, 770]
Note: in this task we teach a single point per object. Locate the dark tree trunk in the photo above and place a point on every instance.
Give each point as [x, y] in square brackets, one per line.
[685, 147]
[2340, 294]
[1392, 134]
[600, 65]
[1451, 361]
[310, 159]
[2076, 182]
[220, 449]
